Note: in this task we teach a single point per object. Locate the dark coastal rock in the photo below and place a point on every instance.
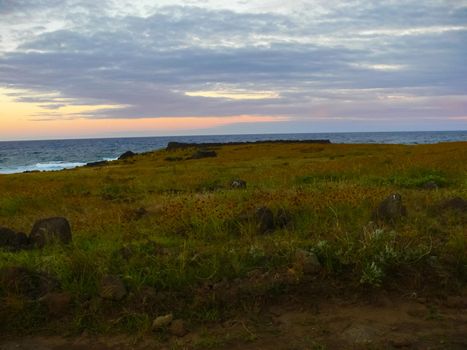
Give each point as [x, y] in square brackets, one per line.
[7, 237]
[390, 210]
[283, 218]
[99, 163]
[203, 153]
[112, 288]
[126, 155]
[23, 281]
[264, 220]
[12, 240]
[238, 183]
[430, 185]
[57, 303]
[171, 146]
[56, 229]
[177, 328]
[306, 261]
[456, 203]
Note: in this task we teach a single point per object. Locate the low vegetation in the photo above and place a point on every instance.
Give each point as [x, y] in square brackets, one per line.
[183, 241]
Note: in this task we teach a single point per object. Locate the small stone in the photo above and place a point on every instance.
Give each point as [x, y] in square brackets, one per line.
[7, 237]
[283, 218]
[112, 288]
[430, 185]
[360, 334]
[307, 261]
[264, 220]
[390, 210]
[56, 303]
[162, 322]
[238, 184]
[456, 302]
[177, 328]
[401, 342]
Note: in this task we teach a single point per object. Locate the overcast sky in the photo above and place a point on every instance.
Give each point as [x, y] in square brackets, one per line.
[205, 66]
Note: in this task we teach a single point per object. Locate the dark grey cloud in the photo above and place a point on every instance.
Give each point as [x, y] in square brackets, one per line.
[364, 59]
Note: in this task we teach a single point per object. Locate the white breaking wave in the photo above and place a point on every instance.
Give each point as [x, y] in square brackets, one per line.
[50, 166]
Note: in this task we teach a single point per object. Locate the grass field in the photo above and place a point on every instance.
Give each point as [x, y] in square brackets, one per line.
[191, 251]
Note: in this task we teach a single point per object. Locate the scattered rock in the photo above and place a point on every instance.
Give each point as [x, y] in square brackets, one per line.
[57, 303]
[137, 214]
[360, 334]
[7, 237]
[203, 153]
[283, 218]
[238, 184]
[173, 159]
[306, 261]
[126, 155]
[177, 328]
[125, 252]
[49, 230]
[162, 322]
[390, 210]
[430, 185]
[401, 342]
[99, 163]
[456, 302]
[112, 288]
[455, 203]
[23, 281]
[264, 220]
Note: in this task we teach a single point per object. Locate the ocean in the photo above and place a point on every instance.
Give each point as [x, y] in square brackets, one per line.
[20, 156]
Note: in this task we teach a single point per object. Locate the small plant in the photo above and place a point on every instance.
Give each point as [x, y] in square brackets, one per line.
[372, 274]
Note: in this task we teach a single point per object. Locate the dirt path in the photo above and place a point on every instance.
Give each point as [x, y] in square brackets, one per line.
[384, 322]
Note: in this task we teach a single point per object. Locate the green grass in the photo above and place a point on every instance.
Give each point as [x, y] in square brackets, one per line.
[193, 238]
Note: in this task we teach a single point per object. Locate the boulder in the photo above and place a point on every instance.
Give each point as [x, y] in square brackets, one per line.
[99, 163]
[455, 203]
[264, 220]
[203, 153]
[283, 218]
[57, 303]
[306, 261]
[7, 237]
[12, 240]
[238, 184]
[56, 229]
[162, 322]
[23, 281]
[126, 155]
[430, 185]
[390, 210]
[177, 328]
[112, 288]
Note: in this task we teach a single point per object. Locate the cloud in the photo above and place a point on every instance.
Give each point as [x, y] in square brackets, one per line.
[307, 59]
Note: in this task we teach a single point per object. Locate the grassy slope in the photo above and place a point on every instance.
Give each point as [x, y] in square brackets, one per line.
[191, 238]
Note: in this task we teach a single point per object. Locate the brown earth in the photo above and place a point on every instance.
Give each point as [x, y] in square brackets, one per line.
[373, 321]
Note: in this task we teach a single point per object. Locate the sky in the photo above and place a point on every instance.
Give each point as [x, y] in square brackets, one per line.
[115, 68]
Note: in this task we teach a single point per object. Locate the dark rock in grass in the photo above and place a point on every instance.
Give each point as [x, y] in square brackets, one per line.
[390, 210]
[57, 303]
[173, 159]
[125, 252]
[136, 214]
[13, 241]
[283, 218]
[203, 153]
[99, 163]
[306, 261]
[238, 184]
[56, 229]
[112, 288]
[177, 328]
[455, 203]
[126, 155]
[7, 237]
[430, 185]
[23, 281]
[162, 322]
[264, 220]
